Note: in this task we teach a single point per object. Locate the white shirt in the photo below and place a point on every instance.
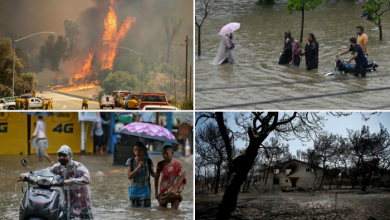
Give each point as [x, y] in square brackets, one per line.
[40, 129]
[147, 117]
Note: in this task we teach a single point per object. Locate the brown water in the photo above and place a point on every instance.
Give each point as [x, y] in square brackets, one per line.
[110, 193]
[256, 76]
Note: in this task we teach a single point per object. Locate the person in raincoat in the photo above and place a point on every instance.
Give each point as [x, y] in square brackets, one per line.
[225, 54]
[173, 180]
[76, 178]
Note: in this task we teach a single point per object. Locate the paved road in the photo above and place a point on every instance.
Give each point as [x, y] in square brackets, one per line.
[64, 102]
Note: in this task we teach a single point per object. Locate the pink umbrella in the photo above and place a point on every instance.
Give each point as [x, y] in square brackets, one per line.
[148, 131]
[229, 28]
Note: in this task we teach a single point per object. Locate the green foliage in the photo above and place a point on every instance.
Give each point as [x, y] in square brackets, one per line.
[120, 80]
[265, 2]
[187, 104]
[305, 4]
[376, 8]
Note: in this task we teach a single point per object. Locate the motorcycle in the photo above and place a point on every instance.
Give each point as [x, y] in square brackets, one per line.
[42, 202]
[342, 67]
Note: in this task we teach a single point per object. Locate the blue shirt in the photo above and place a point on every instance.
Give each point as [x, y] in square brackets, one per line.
[361, 58]
[147, 117]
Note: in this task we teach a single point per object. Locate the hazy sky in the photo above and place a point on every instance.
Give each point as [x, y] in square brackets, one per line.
[332, 125]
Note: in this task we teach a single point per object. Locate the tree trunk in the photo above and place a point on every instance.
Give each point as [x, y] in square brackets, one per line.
[380, 30]
[266, 178]
[217, 178]
[342, 177]
[199, 40]
[229, 200]
[331, 181]
[303, 20]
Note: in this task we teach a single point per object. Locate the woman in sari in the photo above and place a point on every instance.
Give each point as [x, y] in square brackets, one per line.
[139, 170]
[225, 54]
[285, 58]
[173, 180]
[311, 52]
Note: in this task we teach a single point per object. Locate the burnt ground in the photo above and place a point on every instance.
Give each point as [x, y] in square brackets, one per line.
[351, 204]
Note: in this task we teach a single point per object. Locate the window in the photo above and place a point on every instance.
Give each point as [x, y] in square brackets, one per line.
[288, 171]
[286, 181]
[276, 181]
[308, 170]
[276, 171]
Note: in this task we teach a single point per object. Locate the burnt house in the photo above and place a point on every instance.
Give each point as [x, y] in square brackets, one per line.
[293, 174]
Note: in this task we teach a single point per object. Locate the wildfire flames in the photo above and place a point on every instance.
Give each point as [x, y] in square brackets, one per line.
[110, 39]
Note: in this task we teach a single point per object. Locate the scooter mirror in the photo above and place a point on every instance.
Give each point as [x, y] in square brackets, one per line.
[24, 163]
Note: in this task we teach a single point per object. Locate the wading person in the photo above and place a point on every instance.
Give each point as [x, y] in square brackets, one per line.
[225, 54]
[139, 170]
[358, 56]
[296, 53]
[311, 52]
[40, 133]
[173, 180]
[76, 178]
[286, 56]
[362, 39]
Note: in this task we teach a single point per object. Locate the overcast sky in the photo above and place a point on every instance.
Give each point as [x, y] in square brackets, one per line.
[332, 124]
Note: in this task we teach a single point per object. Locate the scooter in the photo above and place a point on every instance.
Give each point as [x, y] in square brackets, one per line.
[342, 67]
[42, 202]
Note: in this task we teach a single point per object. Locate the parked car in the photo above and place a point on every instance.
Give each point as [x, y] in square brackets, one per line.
[160, 107]
[7, 105]
[35, 103]
[153, 99]
[107, 101]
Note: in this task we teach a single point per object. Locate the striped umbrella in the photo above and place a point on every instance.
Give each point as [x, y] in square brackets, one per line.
[229, 28]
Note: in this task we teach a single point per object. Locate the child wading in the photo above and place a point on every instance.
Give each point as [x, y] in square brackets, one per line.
[173, 180]
[296, 53]
[139, 170]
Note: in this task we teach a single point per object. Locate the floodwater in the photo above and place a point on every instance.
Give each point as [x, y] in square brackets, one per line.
[256, 81]
[109, 189]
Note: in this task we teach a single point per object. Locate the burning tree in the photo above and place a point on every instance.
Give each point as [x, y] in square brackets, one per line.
[375, 6]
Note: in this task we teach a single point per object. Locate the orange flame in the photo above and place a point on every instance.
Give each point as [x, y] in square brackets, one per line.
[111, 36]
[77, 87]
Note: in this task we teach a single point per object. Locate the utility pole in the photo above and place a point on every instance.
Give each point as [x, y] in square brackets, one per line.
[186, 65]
[174, 81]
[190, 81]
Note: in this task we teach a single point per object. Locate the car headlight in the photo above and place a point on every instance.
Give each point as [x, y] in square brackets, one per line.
[45, 181]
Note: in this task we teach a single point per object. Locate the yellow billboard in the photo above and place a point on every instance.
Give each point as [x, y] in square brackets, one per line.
[64, 129]
[13, 133]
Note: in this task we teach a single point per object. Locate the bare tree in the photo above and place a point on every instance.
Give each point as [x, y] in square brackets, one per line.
[202, 10]
[172, 24]
[211, 148]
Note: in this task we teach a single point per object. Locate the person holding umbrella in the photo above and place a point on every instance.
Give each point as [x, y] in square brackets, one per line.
[139, 170]
[225, 54]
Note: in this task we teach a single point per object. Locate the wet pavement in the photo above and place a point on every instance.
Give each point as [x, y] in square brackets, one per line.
[256, 81]
[109, 189]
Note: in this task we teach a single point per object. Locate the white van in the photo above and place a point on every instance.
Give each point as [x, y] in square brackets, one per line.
[107, 101]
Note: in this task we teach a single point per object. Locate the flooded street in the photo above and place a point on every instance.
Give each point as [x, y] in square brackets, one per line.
[256, 81]
[109, 189]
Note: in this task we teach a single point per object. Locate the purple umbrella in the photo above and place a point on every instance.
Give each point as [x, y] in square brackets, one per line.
[149, 131]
